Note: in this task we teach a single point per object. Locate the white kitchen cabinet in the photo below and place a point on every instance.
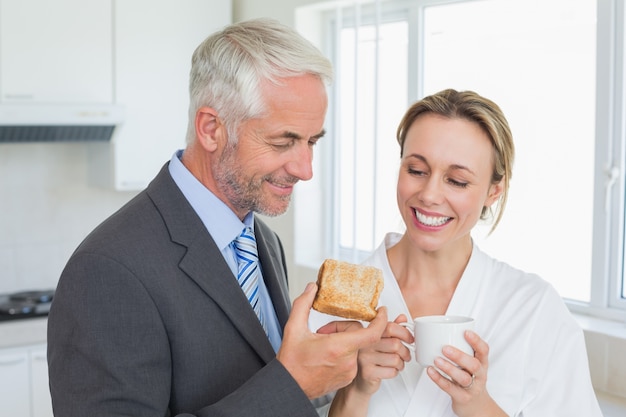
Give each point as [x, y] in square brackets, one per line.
[14, 383]
[131, 55]
[56, 52]
[153, 44]
[40, 389]
[24, 390]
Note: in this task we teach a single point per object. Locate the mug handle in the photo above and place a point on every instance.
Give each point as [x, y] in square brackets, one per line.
[409, 327]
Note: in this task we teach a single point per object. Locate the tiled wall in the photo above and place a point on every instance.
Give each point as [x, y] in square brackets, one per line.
[46, 209]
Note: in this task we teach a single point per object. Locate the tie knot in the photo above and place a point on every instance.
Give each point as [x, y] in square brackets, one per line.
[246, 242]
[247, 233]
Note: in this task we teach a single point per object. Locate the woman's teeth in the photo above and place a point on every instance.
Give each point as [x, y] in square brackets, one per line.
[430, 221]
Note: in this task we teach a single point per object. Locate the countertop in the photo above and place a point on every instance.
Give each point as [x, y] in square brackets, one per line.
[30, 331]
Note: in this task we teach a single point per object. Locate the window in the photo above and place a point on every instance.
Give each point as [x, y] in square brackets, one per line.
[368, 164]
[554, 66]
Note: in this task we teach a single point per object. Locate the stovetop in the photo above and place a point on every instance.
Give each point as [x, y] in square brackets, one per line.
[25, 304]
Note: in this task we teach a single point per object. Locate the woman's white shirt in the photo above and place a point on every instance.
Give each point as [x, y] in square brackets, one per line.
[537, 359]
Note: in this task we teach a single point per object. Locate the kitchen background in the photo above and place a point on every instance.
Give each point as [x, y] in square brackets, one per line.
[52, 194]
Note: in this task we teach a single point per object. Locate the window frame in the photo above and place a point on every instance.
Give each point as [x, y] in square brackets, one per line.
[609, 187]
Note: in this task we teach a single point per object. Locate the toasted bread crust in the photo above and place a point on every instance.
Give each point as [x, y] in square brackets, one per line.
[348, 290]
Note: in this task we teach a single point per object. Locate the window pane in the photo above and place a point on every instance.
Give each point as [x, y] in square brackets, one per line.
[373, 98]
[536, 59]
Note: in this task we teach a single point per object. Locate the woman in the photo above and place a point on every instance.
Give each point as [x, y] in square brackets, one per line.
[530, 358]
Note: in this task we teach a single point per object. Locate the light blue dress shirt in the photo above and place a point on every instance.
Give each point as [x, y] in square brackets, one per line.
[223, 226]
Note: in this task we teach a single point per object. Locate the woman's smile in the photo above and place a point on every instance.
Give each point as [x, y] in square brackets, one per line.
[430, 220]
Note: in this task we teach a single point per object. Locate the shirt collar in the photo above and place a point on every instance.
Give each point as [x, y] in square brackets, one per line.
[221, 222]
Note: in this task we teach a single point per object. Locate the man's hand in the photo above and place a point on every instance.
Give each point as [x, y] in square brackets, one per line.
[325, 361]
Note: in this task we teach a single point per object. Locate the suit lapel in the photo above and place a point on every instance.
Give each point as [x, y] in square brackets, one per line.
[204, 263]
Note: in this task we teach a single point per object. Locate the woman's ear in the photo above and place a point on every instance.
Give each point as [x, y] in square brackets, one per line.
[209, 128]
[495, 190]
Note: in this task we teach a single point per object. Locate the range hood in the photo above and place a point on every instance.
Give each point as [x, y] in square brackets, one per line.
[56, 122]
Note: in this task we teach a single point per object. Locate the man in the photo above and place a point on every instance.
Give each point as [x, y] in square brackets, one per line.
[149, 318]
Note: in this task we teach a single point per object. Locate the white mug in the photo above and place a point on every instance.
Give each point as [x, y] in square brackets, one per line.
[432, 333]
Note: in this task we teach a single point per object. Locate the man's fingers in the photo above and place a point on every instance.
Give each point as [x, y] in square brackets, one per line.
[340, 326]
[378, 324]
[302, 305]
[380, 321]
[371, 334]
[360, 338]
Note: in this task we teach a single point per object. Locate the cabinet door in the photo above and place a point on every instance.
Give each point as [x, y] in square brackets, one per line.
[14, 389]
[56, 51]
[40, 390]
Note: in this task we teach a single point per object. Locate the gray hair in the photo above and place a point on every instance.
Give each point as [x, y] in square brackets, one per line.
[229, 66]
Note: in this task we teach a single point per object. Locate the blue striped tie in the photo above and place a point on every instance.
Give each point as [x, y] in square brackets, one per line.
[249, 271]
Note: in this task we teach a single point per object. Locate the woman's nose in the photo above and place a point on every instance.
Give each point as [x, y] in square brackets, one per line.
[431, 192]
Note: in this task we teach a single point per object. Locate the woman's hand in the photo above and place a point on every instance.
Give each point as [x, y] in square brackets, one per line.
[468, 386]
[382, 360]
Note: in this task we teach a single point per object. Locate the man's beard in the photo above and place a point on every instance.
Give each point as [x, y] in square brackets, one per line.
[246, 194]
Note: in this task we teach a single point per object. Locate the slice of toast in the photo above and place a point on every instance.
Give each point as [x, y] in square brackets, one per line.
[348, 290]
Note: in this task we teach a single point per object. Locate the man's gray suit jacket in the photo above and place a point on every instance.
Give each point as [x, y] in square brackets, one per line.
[148, 320]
